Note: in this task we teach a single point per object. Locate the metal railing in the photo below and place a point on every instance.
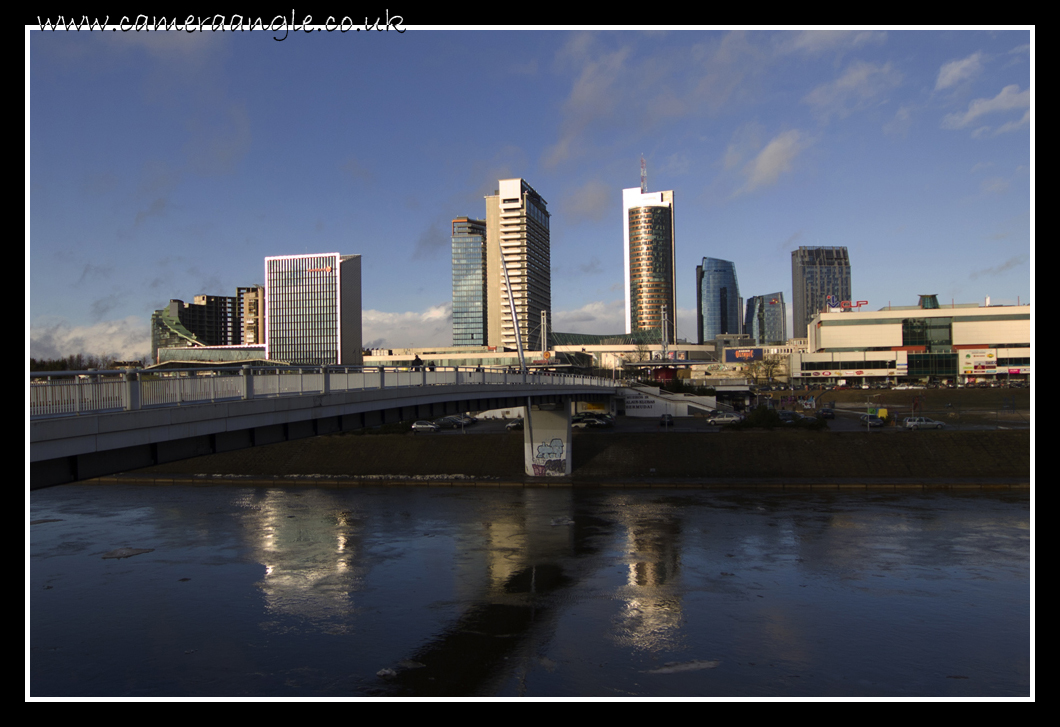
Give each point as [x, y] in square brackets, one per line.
[71, 393]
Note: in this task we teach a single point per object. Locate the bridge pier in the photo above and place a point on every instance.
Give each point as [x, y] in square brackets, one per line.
[547, 439]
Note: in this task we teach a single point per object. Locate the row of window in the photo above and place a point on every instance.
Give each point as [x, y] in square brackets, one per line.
[831, 365]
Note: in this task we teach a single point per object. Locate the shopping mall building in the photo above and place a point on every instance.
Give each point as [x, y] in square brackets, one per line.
[926, 342]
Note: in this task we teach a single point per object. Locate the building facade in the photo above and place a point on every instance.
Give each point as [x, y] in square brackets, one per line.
[766, 319]
[517, 241]
[648, 250]
[469, 282]
[719, 308]
[251, 302]
[211, 320]
[922, 342]
[313, 309]
[820, 278]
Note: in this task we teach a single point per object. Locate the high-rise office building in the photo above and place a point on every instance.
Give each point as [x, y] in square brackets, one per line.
[517, 240]
[766, 319]
[648, 249]
[469, 282]
[719, 308]
[313, 309]
[816, 274]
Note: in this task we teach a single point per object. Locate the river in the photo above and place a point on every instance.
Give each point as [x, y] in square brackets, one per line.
[226, 591]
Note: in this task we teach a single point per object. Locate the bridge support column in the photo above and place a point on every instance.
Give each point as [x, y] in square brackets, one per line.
[132, 391]
[547, 439]
[246, 382]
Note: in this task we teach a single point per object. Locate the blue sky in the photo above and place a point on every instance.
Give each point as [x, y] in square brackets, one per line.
[167, 165]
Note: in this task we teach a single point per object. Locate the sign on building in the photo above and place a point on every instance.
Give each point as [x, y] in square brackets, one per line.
[742, 355]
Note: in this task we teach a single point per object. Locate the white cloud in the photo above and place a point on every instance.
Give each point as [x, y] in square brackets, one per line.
[954, 72]
[1008, 99]
[411, 329]
[128, 339]
[596, 317]
[859, 86]
[594, 97]
[822, 41]
[1014, 125]
[899, 125]
[591, 202]
[775, 159]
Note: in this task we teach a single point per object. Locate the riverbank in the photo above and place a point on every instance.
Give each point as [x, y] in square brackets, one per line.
[769, 458]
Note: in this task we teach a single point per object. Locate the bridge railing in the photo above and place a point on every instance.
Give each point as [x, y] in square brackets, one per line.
[70, 393]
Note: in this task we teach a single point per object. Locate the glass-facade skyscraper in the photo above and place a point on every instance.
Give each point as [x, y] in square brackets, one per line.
[718, 305]
[766, 319]
[651, 283]
[469, 282]
[313, 309]
[816, 274]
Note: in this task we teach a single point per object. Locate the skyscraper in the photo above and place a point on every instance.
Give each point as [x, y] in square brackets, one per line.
[469, 282]
[517, 239]
[816, 273]
[648, 248]
[313, 309]
[718, 303]
[766, 320]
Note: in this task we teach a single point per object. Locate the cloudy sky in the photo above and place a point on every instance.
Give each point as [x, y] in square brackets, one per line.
[169, 164]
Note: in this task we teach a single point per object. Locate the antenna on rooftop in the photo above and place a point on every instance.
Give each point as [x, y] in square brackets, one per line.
[643, 176]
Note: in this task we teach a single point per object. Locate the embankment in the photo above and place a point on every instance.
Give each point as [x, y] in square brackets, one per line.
[619, 457]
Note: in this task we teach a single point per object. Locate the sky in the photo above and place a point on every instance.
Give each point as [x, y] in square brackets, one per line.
[164, 165]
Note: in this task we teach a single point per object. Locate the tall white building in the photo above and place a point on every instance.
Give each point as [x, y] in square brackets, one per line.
[517, 239]
[313, 309]
[648, 251]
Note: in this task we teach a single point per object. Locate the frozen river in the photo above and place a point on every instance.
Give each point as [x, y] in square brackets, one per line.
[405, 591]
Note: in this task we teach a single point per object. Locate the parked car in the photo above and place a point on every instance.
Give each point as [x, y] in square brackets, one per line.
[424, 426]
[725, 418]
[447, 423]
[826, 413]
[666, 420]
[922, 423]
[871, 420]
[515, 426]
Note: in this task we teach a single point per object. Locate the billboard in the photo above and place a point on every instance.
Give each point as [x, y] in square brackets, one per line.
[978, 361]
[742, 355]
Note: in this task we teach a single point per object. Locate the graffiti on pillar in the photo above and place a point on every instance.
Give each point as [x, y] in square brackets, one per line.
[549, 460]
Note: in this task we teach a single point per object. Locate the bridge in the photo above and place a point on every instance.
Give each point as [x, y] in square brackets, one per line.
[86, 424]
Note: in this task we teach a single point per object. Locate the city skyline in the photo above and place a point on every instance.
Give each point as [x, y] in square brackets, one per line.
[182, 168]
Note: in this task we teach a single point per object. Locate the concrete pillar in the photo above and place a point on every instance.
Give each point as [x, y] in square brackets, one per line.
[247, 382]
[132, 391]
[547, 440]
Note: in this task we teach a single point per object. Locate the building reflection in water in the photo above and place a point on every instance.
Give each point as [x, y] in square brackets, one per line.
[651, 618]
[310, 548]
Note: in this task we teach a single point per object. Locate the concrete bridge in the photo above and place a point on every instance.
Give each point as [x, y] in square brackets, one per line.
[92, 423]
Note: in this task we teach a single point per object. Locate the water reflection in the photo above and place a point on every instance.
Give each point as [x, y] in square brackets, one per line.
[532, 592]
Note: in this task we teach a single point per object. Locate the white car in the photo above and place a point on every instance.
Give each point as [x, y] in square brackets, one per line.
[424, 426]
[922, 423]
[726, 418]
